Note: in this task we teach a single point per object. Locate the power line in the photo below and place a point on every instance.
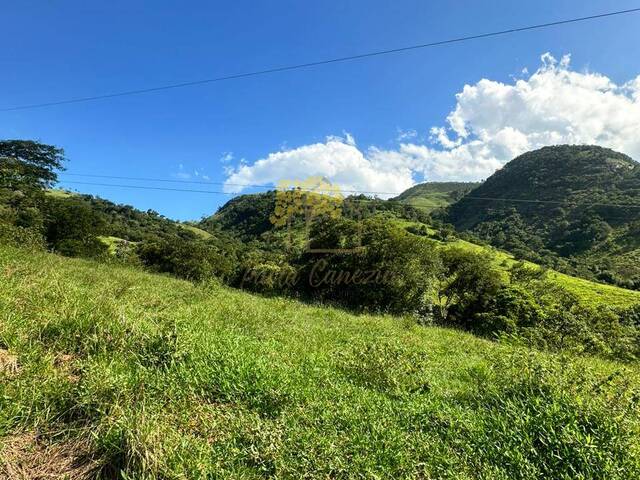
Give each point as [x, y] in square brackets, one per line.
[189, 190]
[492, 199]
[320, 62]
[205, 182]
[140, 187]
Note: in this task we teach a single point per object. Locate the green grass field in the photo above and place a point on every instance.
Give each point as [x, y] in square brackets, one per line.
[112, 243]
[431, 202]
[59, 193]
[113, 372]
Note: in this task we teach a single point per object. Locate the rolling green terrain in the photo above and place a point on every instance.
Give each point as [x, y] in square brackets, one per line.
[247, 217]
[113, 371]
[141, 360]
[431, 196]
[592, 293]
[573, 208]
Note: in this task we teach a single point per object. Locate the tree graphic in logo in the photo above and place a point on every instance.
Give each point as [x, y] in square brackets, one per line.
[312, 198]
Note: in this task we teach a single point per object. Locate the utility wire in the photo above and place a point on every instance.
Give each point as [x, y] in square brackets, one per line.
[492, 199]
[273, 187]
[204, 182]
[320, 62]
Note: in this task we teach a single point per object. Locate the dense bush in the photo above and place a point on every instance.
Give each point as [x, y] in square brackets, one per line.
[377, 266]
[72, 228]
[28, 238]
[533, 310]
[467, 283]
[194, 260]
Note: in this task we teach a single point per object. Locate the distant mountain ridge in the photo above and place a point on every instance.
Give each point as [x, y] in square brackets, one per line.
[573, 207]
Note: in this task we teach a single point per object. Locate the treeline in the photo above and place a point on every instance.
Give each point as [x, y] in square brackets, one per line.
[364, 260]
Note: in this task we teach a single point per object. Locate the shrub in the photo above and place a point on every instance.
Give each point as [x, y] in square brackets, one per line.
[467, 283]
[379, 267]
[192, 260]
[28, 238]
[90, 247]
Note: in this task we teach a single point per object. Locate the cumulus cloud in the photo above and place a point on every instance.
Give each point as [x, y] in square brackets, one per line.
[337, 159]
[492, 122]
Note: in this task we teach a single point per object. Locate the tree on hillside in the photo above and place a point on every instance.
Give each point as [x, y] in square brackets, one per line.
[72, 227]
[26, 169]
[468, 281]
[26, 161]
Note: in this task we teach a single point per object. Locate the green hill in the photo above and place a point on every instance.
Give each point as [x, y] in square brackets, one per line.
[110, 370]
[574, 208]
[247, 218]
[431, 196]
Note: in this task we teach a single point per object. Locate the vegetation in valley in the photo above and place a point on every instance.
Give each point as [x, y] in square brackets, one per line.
[398, 261]
[340, 367]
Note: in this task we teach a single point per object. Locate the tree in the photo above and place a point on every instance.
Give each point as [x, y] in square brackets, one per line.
[31, 162]
[26, 169]
[72, 227]
[192, 260]
[377, 266]
[468, 281]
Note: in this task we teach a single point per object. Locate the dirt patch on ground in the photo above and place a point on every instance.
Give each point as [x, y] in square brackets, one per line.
[8, 363]
[28, 456]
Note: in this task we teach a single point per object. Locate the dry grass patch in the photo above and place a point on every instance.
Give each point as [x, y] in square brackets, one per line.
[8, 363]
[28, 456]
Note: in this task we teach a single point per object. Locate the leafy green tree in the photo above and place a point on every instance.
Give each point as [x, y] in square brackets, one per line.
[466, 284]
[511, 309]
[26, 169]
[192, 260]
[72, 227]
[31, 162]
[377, 266]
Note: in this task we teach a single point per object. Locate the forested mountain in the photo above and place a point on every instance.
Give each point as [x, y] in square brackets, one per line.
[433, 195]
[248, 217]
[122, 221]
[576, 208]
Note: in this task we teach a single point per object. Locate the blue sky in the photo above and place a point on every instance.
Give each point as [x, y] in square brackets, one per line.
[63, 49]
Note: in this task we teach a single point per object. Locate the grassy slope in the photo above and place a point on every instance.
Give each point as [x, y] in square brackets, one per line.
[430, 202]
[59, 193]
[198, 231]
[433, 195]
[588, 291]
[180, 381]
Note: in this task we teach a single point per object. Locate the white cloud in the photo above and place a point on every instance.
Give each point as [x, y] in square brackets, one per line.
[337, 159]
[492, 123]
[226, 157]
[406, 134]
[182, 174]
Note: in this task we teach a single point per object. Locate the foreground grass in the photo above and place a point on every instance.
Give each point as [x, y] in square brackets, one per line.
[158, 378]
